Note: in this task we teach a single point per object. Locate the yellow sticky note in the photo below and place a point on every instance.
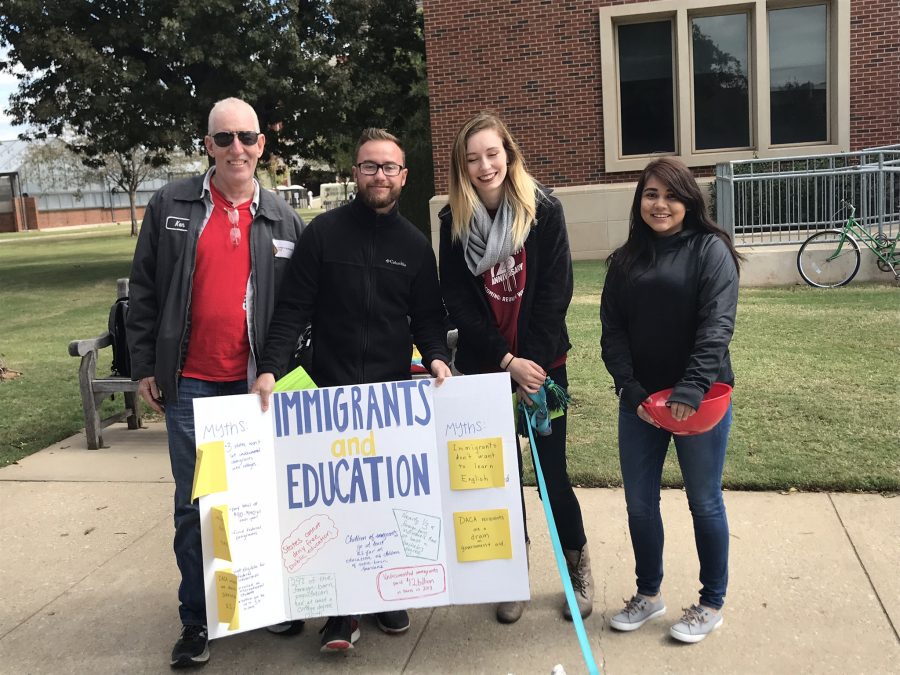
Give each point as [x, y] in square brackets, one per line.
[476, 463]
[298, 378]
[221, 539]
[209, 471]
[482, 535]
[227, 597]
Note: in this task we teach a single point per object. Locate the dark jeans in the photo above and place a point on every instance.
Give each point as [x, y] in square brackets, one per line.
[551, 450]
[183, 455]
[642, 451]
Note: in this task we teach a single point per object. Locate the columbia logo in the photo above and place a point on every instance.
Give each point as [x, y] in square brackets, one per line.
[398, 263]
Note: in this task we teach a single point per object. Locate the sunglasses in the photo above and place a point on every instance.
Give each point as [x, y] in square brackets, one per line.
[225, 138]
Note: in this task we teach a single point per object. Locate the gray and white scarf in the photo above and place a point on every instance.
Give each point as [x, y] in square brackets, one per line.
[489, 240]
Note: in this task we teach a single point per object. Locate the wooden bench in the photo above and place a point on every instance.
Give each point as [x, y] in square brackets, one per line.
[95, 389]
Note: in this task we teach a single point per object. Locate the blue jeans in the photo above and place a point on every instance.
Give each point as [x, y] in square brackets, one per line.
[642, 451]
[183, 455]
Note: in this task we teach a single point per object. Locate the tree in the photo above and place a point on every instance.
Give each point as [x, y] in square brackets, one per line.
[127, 170]
[136, 79]
[377, 77]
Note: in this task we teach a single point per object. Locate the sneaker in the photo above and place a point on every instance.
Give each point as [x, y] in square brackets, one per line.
[696, 623]
[286, 628]
[339, 633]
[638, 611]
[192, 648]
[393, 623]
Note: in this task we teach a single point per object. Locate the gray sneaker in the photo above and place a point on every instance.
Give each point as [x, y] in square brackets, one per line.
[638, 611]
[696, 623]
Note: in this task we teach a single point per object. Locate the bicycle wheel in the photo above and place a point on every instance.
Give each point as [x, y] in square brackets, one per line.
[822, 265]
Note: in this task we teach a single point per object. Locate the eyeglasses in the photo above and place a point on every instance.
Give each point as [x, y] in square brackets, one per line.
[371, 168]
[225, 138]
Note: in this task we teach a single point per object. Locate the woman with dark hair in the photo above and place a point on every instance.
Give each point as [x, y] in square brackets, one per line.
[667, 313]
[506, 277]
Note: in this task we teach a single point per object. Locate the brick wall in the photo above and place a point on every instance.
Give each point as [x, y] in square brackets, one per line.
[50, 219]
[874, 73]
[537, 63]
[7, 222]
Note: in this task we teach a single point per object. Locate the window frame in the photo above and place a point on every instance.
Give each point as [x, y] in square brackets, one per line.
[681, 12]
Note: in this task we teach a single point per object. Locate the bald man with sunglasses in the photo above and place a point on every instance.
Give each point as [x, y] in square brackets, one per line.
[209, 261]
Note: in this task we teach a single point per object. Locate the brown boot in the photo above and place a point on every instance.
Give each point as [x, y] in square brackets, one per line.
[579, 564]
[510, 612]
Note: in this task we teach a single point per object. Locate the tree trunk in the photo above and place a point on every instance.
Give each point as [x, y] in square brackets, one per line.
[132, 198]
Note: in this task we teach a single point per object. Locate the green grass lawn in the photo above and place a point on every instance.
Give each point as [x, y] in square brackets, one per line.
[815, 403]
[816, 389]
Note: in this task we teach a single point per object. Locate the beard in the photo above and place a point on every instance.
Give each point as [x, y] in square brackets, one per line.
[378, 199]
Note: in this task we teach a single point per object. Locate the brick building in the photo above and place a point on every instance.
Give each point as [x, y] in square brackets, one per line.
[592, 89]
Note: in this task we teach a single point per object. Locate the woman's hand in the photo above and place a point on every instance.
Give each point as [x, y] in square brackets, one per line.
[522, 395]
[644, 415]
[527, 374]
[680, 411]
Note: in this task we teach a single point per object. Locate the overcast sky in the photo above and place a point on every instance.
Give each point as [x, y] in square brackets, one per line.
[7, 86]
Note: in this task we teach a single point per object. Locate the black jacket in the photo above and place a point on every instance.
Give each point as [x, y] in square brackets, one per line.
[365, 281]
[541, 331]
[669, 325]
[158, 325]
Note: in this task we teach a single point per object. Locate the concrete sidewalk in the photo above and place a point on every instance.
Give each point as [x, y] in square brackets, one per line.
[89, 584]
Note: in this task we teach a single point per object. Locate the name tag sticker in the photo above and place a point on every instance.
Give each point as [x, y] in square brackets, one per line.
[283, 248]
[177, 224]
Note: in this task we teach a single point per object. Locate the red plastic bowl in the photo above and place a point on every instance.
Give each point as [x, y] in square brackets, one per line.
[711, 411]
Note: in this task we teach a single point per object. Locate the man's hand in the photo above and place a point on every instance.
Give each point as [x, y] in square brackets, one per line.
[440, 370]
[150, 393]
[263, 386]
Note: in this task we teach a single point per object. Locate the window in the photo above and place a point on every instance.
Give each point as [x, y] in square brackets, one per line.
[731, 80]
[646, 86]
[798, 74]
[721, 84]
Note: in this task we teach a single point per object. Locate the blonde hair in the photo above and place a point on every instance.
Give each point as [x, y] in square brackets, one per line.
[519, 187]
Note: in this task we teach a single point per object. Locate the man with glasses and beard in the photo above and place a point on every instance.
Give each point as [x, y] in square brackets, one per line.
[367, 280]
[210, 257]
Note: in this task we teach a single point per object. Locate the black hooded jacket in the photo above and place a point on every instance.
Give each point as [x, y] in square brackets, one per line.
[669, 324]
[368, 283]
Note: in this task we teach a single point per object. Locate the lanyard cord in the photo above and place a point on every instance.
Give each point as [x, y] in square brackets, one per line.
[586, 652]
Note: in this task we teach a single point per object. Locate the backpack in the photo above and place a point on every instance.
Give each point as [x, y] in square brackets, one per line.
[121, 364]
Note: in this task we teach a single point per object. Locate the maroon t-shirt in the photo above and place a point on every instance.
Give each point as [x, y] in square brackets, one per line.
[504, 284]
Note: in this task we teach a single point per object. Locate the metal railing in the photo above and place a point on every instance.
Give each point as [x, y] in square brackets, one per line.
[765, 202]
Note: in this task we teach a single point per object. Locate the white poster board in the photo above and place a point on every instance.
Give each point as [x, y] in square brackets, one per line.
[359, 499]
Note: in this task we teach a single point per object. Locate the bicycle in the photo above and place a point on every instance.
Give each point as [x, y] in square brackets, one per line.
[831, 258]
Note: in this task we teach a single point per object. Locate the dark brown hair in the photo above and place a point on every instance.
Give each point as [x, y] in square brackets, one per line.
[679, 179]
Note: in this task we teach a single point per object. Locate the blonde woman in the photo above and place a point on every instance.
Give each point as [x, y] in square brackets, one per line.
[506, 277]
